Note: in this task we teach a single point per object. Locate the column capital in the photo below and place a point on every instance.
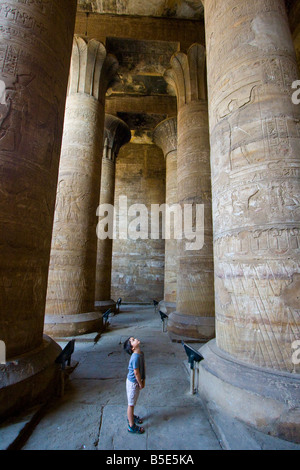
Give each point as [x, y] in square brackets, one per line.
[116, 134]
[165, 135]
[187, 75]
[92, 70]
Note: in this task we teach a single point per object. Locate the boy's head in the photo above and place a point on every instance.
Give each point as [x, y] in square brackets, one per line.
[131, 344]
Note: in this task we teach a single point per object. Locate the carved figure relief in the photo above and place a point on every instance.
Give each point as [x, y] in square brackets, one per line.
[15, 109]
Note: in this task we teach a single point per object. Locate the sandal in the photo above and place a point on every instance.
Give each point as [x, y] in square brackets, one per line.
[137, 419]
[136, 429]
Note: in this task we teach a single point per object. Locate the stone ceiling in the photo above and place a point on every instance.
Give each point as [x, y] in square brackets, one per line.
[143, 35]
[185, 9]
[141, 97]
[141, 68]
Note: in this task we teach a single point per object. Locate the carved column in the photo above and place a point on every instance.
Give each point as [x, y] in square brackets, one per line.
[35, 45]
[194, 316]
[255, 158]
[71, 284]
[165, 137]
[116, 134]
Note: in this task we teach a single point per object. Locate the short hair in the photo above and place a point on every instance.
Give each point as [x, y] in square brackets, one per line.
[127, 346]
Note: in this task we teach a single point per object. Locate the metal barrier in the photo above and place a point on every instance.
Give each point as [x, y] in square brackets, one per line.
[65, 355]
[164, 319]
[105, 317]
[194, 359]
[118, 303]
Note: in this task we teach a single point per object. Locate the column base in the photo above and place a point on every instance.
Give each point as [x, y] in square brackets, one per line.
[103, 305]
[59, 326]
[29, 379]
[167, 307]
[190, 328]
[261, 398]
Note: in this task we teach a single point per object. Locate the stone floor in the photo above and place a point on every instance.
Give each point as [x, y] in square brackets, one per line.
[93, 410]
[91, 415]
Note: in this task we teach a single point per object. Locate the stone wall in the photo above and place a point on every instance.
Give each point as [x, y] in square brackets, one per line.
[138, 265]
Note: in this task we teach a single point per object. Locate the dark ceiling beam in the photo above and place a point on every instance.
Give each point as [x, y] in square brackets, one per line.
[141, 104]
[100, 26]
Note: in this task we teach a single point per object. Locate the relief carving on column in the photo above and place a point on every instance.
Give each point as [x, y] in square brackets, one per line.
[187, 75]
[35, 50]
[71, 283]
[255, 145]
[165, 135]
[116, 134]
[194, 316]
[92, 69]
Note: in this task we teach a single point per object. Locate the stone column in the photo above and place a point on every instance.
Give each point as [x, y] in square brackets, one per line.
[71, 284]
[35, 45]
[116, 134]
[165, 137]
[194, 316]
[255, 157]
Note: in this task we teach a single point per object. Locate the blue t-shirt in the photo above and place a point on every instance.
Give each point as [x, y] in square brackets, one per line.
[137, 361]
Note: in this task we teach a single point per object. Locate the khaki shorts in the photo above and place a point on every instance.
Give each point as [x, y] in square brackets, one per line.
[133, 391]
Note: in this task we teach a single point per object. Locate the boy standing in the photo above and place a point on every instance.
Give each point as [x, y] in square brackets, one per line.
[135, 382]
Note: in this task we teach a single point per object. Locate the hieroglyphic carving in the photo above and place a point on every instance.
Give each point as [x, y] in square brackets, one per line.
[22, 19]
[280, 71]
[256, 204]
[267, 311]
[43, 6]
[70, 197]
[116, 134]
[9, 55]
[233, 93]
[24, 68]
[241, 143]
[264, 243]
[33, 83]
[255, 149]
[165, 135]
[74, 230]
[195, 298]
[20, 110]
[216, 10]
[247, 47]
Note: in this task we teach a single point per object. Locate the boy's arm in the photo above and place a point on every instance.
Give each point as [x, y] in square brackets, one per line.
[138, 378]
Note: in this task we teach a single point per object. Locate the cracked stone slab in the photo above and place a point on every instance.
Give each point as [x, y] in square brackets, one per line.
[102, 392]
[114, 434]
[163, 429]
[67, 427]
[13, 427]
[166, 430]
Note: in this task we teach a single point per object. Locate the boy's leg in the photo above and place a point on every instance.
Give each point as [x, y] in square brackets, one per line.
[131, 402]
[130, 415]
[132, 395]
